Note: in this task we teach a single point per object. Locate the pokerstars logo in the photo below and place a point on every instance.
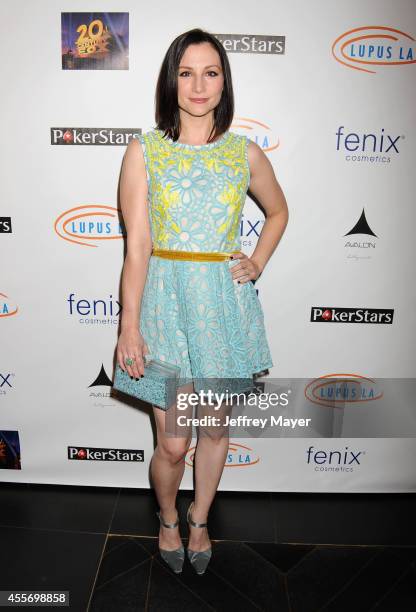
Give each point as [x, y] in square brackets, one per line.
[344, 460]
[238, 455]
[8, 308]
[87, 453]
[372, 147]
[5, 225]
[335, 314]
[264, 44]
[374, 49]
[90, 225]
[93, 136]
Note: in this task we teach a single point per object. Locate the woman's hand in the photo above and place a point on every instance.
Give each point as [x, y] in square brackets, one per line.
[246, 270]
[131, 344]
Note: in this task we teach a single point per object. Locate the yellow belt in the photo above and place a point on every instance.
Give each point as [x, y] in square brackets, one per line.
[192, 255]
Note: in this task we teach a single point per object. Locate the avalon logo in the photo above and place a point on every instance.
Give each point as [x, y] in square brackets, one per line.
[258, 132]
[87, 453]
[264, 44]
[361, 227]
[238, 455]
[90, 225]
[337, 314]
[7, 307]
[373, 48]
[337, 390]
[93, 136]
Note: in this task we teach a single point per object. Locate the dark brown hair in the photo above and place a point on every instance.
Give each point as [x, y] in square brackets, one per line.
[166, 97]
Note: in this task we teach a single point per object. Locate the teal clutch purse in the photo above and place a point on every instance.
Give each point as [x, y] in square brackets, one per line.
[158, 385]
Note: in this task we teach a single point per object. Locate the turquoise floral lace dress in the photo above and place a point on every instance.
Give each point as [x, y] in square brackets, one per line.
[193, 313]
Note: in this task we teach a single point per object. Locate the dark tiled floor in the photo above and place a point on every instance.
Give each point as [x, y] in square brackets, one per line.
[284, 552]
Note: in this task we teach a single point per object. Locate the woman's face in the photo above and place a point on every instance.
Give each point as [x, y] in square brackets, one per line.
[200, 79]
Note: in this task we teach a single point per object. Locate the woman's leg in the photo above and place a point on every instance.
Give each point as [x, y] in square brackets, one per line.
[167, 467]
[209, 460]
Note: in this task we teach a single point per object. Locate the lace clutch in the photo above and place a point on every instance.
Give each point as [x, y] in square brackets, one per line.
[158, 385]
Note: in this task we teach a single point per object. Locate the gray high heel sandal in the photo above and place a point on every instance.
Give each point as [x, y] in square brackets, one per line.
[199, 558]
[174, 558]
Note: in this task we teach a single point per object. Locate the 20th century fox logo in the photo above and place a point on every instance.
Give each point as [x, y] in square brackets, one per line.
[67, 136]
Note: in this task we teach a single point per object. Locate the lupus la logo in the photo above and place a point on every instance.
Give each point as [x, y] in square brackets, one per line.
[7, 307]
[334, 460]
[259, 132]
[374, 46]
[89, 225]
[238, 455]
[337, 390]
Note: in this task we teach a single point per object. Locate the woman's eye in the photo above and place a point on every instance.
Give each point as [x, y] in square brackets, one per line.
[210, 72]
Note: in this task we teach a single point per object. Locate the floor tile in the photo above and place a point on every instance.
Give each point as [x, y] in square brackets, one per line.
[401, 597]
[127, 592]
[370, 585]
[322, 573]
[375, 519]
[50, 560]
[87, 509]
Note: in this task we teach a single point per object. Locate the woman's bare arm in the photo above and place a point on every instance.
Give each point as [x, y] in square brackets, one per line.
[265, 187]
[134, 206]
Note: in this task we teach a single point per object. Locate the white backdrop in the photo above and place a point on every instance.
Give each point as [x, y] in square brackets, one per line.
[57, 352]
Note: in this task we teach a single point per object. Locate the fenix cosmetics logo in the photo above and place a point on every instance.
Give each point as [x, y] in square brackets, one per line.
[336, 314]
[5, 225]
[7, 307]
[102, 311]
[374, 48]
[90, 225]
[334, 460]
[253, 43]
[372, 147]
[93, 136]
[87, 453]
[6, 382]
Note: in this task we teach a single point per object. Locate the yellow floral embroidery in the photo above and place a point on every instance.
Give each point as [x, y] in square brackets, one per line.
[208, 185]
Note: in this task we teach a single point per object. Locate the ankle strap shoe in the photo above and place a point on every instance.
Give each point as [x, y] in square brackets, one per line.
[199, 558]
[173, 558]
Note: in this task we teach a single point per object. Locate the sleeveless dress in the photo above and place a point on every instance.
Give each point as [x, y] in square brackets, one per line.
[193, 313]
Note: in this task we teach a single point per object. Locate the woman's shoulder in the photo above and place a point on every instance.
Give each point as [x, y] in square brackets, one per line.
[147, 135]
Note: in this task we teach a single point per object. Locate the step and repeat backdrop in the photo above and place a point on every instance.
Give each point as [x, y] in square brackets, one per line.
[327, 90]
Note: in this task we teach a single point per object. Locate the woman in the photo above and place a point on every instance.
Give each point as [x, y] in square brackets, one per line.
[183, 188]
